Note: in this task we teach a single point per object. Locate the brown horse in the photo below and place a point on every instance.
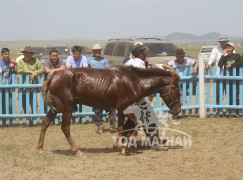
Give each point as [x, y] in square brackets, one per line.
[116, 87]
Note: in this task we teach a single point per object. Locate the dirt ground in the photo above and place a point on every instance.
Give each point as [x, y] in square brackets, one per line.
[216, 153]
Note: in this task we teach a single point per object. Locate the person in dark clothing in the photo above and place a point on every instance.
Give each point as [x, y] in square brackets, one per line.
[228, 61]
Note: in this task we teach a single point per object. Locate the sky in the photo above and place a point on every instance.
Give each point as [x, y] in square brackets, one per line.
[104, 19]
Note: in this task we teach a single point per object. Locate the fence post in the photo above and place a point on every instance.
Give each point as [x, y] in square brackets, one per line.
[202, 113]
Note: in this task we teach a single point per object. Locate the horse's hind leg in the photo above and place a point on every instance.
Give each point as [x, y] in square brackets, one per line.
[50, 116]
[66, 130]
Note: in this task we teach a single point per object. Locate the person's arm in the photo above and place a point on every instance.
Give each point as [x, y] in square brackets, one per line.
[221, 61]
[21, 69]
[85, 62]
[40, 69]
[106, 64]
[166, 66]
[68, 63]
[238, 61]
[196, 65]
[212, 58]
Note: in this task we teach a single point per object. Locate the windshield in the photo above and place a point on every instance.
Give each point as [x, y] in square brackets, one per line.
[62, 50]
[160, 49]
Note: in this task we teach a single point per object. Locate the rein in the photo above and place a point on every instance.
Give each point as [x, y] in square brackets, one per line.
[168, 95]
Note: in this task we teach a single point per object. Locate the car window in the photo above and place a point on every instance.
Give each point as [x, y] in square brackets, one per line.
[160, 49]
[120, 50]
[109, 49]
[206, 49]
[38, 50]
[61, 50]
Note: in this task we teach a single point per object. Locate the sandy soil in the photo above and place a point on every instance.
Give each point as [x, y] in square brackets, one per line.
[216, 153]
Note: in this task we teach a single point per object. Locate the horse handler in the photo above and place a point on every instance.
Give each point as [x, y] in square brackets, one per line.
[143, 108]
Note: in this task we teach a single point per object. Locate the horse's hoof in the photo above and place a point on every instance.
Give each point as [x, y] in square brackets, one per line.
[79, 153]
[124, 151]
[40, 151]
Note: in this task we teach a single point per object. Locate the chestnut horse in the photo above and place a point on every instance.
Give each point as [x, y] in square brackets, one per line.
[116, 87]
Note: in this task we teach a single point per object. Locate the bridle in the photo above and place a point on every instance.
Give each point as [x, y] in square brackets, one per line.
[168, 95]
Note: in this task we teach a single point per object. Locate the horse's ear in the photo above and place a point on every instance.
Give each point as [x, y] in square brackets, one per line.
[175, 76]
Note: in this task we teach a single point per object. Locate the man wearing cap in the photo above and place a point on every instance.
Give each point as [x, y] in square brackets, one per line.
[181, 62]
[7, 68]
[228, 60]
[29, 66]
[76, 60]
[139, 52]
[97, 61]
[144, 105]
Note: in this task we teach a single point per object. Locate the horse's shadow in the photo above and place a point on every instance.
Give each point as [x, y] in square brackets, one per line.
[131, 151]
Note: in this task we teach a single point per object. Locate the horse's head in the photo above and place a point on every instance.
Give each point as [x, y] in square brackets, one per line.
[172, 96]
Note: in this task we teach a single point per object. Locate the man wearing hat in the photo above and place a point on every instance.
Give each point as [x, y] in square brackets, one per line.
[139, 52]
[31, 66]
[229, 60]
[97, 61]
[181, 62]
[144, 105]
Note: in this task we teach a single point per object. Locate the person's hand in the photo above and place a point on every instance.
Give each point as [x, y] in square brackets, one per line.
[51, 73]
[194, 73]
[5, 74]
[208, 66]
[172, 70]
[32, 77]
[228, 65]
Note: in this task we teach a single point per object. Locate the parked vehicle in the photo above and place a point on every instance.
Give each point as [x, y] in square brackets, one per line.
[205, 53]
[63, 51]
[116, 50]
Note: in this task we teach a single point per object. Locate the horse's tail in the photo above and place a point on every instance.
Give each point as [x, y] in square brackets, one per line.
[51, 100]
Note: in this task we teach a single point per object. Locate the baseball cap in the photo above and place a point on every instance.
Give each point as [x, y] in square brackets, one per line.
[230, 44]
[138, 47]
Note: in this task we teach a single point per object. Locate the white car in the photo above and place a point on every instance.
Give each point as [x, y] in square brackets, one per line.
[205, 53]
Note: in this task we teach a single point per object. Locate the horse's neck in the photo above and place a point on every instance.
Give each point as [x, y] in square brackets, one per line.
[153, 84]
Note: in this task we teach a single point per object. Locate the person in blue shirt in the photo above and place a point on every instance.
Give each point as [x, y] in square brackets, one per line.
[76, 60]
[7, 68]
[97, 61]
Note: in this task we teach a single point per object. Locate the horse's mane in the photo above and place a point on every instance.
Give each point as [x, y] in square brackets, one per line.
[147, 71]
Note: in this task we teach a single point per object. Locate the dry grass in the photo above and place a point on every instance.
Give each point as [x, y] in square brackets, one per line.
[216, 153]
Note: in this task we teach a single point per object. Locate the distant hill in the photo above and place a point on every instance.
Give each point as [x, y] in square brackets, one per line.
[178, 36]
[186, 37]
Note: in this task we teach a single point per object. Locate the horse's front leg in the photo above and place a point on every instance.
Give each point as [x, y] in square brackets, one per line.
[133, 118]
[121, 119]
[66, 130]
[50, 116]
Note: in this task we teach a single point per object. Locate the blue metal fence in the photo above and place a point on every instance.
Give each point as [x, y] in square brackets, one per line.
[13, 95]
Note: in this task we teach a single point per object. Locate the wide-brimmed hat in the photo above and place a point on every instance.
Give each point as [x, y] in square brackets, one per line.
[223, 39]
[28, 49]
[230, 44]
[180, 52]
[97, 47]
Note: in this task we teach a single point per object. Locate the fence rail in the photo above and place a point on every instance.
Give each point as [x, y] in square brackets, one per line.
[17, 97]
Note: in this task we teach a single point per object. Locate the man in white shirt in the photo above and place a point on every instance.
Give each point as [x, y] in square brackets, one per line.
[139, 52]
[76, 60]
[216, 54]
